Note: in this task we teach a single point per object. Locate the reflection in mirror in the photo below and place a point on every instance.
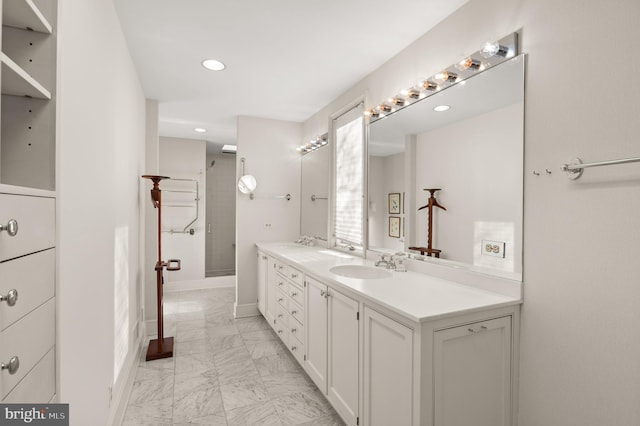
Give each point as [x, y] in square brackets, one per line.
[473, 152]
[314, 189]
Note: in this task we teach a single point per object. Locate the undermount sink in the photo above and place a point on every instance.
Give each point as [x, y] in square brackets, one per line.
[360, 271]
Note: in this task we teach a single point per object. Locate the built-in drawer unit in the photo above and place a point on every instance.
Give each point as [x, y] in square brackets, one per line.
[28, 339]
[28, 225]
[31, 279]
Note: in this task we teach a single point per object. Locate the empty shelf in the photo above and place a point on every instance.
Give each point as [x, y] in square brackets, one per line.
[17, 82]
[25, 15]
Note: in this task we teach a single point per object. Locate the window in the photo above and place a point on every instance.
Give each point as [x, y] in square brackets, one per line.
[348, 192]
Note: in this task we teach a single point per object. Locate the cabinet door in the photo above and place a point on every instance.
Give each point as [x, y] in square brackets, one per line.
[472, 374]
[343, 364]
[388, 371]
[316, 333]
[262, 283]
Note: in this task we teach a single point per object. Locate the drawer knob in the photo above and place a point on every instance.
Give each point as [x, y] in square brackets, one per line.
[12, 367]
[11, 298]
[293, 348]
[294, 330]
[280, 299]
[294, 294]
[294, 312]
[294, 275]
[11, 228]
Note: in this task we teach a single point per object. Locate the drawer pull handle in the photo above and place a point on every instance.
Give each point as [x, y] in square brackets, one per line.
[294, 294]
[279, 331]
[280, 284]
[293, 348]
[12, 367]
[322, 293]
[11, 228]
[280, 315]
[294, 312]
[280, 299]
[294, 275]
[294, 330]
[11, 298]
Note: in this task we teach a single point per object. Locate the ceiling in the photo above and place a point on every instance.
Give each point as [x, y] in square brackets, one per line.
[285, 59]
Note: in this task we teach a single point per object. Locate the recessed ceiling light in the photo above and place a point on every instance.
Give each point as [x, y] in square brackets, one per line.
[441, 108]
[213, 65]
[199, 130]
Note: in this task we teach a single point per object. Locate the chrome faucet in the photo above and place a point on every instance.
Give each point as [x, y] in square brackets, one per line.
[386, 262]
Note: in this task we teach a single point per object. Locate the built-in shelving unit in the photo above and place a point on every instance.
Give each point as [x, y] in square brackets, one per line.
[28, 200]
[27, 109]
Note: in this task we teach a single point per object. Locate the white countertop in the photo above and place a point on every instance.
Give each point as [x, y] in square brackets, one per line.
[418, 297]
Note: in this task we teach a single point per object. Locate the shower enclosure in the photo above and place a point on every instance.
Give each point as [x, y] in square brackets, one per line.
[220, 247]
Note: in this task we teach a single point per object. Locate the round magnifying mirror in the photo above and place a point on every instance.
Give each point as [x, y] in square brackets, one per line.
[247, 184]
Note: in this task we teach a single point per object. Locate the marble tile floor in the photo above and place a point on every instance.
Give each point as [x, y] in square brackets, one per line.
[225, 371]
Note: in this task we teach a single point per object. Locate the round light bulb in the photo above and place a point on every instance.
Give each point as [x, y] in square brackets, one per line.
[441, 108]
[200, 130]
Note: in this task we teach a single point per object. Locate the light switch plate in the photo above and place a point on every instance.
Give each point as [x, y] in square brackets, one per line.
[493, 248]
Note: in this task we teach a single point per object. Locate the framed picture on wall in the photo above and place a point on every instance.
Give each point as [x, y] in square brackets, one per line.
[394, 203]
[394, 226]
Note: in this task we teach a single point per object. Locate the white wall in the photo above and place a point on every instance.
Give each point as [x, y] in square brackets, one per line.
[150, 231]
[183, 159]
[315, 180]
[269, 148]
[580, 319]
[101, 131]
[481, 187]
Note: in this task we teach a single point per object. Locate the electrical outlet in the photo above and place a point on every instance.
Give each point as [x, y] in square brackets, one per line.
[493, 248]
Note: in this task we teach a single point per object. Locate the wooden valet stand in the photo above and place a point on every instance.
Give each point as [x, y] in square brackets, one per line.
[162, 347]
[432, 202]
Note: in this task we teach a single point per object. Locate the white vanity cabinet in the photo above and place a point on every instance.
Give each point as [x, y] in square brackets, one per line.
[472, 369]
[332, 359]
[343, 355]
[316, 319]
[285, 311]
[449, 372]
[451, 364]
[388, 371]
[263, 262]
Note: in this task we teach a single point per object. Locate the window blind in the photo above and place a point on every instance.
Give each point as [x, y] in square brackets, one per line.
[349, 180]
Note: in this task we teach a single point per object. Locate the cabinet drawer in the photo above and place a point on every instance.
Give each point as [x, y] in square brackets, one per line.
[29, 339]
[282, 300]
[33, 277]
[282, 331]
[282, 316]
[296, 312]
[295, 276]
[36, 224]
[282, 284]
[39, 385]
[296, 331]
[281, 268]
[297, 349]
[296, 294]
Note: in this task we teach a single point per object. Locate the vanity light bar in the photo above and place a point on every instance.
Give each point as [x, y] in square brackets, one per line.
[490, 55]
[313, 144]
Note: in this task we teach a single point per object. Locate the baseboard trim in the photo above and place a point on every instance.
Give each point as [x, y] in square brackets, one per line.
[204, 284]
[245, 310]
[121, 399]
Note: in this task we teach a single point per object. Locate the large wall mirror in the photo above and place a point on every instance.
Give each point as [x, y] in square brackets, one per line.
[314, 189]
[472, 152]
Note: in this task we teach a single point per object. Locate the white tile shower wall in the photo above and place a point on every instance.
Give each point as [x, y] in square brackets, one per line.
[220, 226]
